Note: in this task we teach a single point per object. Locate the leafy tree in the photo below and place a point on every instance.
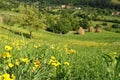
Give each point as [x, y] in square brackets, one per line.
[8, 4]
[32, 19]
[51, 22]
[84, 23]
[63, 25]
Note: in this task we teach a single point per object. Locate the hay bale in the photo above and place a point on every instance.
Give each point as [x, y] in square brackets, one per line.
[91, 29]
[81, 31]
[98, 29]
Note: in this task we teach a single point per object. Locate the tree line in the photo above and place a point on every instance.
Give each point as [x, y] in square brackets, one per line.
[7, 4]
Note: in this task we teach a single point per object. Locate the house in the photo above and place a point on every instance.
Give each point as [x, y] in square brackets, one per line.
[116, 13]
[65, 6]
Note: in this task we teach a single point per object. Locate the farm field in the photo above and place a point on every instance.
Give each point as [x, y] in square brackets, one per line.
[50, 56]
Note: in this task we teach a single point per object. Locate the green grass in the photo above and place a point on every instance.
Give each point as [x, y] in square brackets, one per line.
[84, 53]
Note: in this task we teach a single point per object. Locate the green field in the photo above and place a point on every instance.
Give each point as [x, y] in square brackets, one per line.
[50, 56]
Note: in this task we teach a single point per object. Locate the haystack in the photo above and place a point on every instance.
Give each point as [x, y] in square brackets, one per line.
[81, 31]
[98, 29]
[91, 29]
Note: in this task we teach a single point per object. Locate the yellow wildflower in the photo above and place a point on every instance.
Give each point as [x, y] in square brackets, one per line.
[13, 77]
[52, 47]
[66, 49]
[6, 76]
[26, 60]
[8, 48]
[17, 63]
[10, 65]
[51, 61]
[55, 64]
[33, 68]
[35, 46]
[66, 63]
[6, 55]
[37, 63]
[53, 58]
[0, 77]
[72, 51]
[113, 55]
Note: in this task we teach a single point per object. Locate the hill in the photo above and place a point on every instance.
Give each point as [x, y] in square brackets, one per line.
[48, 55]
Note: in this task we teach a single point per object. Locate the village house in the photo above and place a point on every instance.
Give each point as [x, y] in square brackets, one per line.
[116, 13]
[65, 6]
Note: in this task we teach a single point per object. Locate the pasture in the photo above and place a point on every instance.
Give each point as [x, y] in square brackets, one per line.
[50, 56]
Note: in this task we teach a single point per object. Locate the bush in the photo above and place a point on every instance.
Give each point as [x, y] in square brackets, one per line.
[117, 31]
[84, 23]
[63, 26]
[115, 26]
[104, 24]
[98, 26]
[63, 23]
[11, 19]
[107, 28]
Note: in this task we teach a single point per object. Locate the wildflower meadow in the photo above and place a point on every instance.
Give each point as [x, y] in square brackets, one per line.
[68, 59]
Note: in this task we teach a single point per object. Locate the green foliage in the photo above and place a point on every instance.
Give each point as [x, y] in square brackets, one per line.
[115, 26]
[63, 23]
[31, 18]
[113, 64]
[98, 26]
[11, 4]
[8, 4]
[85, 23]
[51, 22]
[11, 20]
[80, 57]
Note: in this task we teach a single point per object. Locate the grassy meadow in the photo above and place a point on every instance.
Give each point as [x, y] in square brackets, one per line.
[59, 40]
[50, 56]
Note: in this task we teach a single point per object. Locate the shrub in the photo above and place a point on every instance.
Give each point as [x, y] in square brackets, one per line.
[12, 19]
[115, 26]
[84, 23]
[63, 23]
[117, 31]
[63, 26]
[104, 24]
[107, 28]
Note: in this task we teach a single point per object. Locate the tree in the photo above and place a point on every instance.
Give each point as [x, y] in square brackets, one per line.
[84, 23]
[31, 18]
[63, 25]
